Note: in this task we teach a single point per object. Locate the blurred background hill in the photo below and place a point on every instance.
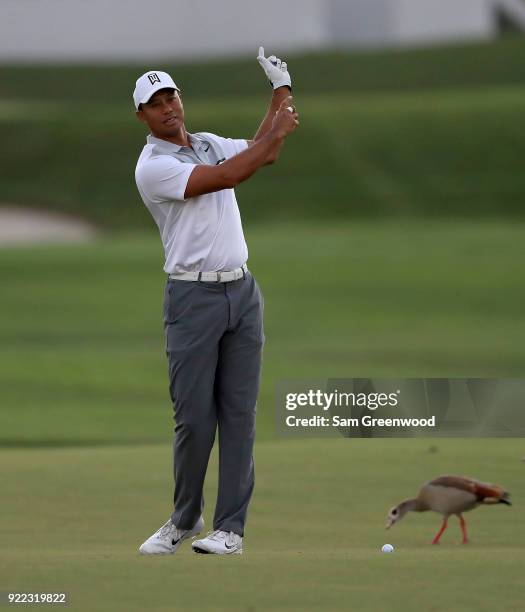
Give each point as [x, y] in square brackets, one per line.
[408, 107]
[410, 132]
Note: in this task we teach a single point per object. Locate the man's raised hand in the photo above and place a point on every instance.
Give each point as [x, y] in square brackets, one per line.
[275, 69]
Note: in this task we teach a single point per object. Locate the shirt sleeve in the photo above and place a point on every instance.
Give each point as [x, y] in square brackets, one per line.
[229, 146]
[238, 144]
[164, 179]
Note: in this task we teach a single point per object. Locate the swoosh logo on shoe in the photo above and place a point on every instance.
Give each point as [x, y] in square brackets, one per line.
[229, 547]
[174, 542]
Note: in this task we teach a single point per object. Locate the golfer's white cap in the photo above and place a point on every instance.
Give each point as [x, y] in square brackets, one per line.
[149, 83]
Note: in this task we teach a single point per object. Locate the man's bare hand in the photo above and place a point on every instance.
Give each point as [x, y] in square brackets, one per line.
[286, 118]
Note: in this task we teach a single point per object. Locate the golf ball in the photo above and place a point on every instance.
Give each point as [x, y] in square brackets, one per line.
[387, 548]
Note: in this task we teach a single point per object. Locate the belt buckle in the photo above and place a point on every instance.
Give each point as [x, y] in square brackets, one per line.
[218, 277]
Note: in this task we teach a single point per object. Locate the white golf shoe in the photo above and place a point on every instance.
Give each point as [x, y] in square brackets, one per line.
[168, 538]
[219, 543]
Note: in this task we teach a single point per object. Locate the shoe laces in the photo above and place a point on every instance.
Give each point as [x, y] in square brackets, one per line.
[220, 536]
[167, 530]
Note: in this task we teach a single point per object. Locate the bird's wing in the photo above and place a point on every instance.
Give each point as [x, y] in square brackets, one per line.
[457, 482]
[480, 489]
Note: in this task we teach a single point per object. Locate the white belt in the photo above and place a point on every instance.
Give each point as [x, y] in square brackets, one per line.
[212, 277]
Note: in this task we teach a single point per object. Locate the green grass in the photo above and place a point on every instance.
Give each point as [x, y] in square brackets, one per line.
[72, 520]
[82, 340]
[414, 133]
[85, 423]
[427, 138]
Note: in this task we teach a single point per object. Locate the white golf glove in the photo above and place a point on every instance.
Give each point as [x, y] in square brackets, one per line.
[275, 70]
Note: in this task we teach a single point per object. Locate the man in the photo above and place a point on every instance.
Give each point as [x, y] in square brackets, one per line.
[212, 304]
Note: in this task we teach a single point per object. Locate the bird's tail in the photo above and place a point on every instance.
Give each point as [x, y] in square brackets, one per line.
[492, 494]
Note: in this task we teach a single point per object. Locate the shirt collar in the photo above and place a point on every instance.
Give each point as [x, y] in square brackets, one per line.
[195, 141]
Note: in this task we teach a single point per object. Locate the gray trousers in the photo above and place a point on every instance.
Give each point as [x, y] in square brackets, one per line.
[214, 340]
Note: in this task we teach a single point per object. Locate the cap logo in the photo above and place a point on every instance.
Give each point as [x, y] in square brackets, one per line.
[153, 78]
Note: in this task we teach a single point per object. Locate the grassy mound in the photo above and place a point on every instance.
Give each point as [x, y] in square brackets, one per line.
[422, 133]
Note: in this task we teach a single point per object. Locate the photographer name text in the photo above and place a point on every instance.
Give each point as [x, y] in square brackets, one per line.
[365, 421]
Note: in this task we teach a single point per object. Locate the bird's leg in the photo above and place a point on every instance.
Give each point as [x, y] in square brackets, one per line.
[438, 534]
[463, 529]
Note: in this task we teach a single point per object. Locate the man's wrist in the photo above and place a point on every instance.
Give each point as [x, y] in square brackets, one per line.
[278, 96]
[275, 135]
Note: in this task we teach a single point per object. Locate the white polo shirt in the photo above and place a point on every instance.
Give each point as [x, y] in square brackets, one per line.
[200, 234]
